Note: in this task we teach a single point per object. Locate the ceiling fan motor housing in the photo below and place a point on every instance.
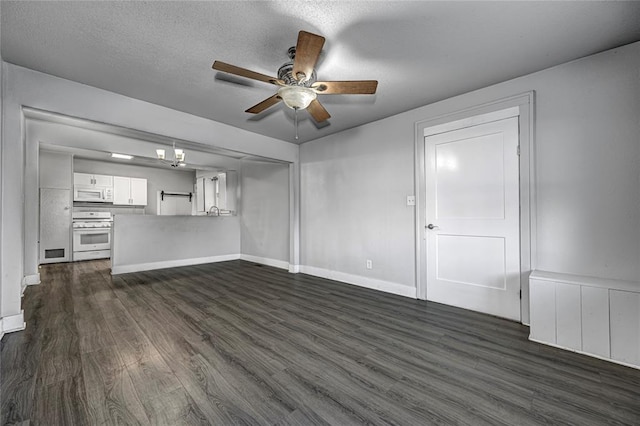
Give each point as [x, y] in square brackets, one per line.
[298, 86]
[285, 72]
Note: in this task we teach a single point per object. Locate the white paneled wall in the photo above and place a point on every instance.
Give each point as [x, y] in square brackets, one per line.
[568, 316]
[625, 326]
[593, 316]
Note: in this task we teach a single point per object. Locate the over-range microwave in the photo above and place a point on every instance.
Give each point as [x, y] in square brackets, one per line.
[93, 194]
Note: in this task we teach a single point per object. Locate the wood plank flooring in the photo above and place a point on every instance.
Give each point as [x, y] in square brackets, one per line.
[239, 343]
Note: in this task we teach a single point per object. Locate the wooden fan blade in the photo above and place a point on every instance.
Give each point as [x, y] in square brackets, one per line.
[361, 87]
[317, 111]
[243, 72]
[308, 49]
[264, 104]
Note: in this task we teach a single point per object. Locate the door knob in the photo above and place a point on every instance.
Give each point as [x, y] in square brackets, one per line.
[432, 226]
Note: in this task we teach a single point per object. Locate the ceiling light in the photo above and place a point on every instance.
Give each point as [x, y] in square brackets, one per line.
[178, 156]
[297, 97]
[122, 156]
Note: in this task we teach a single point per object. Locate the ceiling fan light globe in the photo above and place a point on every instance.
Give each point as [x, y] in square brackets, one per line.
[297, 97]
[160, 154]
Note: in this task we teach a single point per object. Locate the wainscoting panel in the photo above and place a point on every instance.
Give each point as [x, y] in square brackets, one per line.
[593, 316]
[625, 326]
[595, 324]
[569, 319]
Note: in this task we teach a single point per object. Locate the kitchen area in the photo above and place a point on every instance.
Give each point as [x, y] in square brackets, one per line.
[82, 195]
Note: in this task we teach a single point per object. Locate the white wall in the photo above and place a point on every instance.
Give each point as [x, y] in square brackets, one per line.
[56, 170]
[157, 179]
[354, 187]
[19, 181]
[354, 183]
[154, 242]
[264, 210]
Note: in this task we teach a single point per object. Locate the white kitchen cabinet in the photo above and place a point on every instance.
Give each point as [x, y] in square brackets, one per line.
[139, 191]
[121, 190]
[102, 180]
[83, 179]
[86, 179]
[129, 191]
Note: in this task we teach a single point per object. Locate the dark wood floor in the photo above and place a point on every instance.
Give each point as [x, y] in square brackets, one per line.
[239, 343]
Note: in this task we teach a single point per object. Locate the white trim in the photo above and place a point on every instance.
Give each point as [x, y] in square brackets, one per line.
[12, 323]
[31, 279]
[124, 269]
[372, 283]
[637, 367]
[282, 264]
[294, 213]
[524, 105]
[472, 121]
[294, 269]
[607, 283]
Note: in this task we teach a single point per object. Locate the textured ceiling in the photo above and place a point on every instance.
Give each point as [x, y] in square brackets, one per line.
[420, 52]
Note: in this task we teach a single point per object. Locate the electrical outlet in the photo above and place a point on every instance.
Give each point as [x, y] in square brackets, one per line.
[369, 264]
[411, 200]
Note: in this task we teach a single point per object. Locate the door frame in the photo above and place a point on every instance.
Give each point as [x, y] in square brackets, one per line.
[522, 106]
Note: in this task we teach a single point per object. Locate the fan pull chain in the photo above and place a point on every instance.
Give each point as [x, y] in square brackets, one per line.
[295, 114]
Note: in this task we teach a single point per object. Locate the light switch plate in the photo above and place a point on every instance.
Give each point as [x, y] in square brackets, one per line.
[411, 200]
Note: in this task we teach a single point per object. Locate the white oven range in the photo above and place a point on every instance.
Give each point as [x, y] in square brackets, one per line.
[91, 235]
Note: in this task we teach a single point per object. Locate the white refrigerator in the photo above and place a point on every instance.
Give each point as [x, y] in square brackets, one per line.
[55, 225]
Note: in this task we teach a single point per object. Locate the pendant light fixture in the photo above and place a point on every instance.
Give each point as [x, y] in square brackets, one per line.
[178, 156]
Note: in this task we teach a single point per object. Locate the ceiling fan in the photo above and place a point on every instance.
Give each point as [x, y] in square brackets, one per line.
[297, 80]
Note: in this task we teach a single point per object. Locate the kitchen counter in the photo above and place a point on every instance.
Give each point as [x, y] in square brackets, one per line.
[145, 242]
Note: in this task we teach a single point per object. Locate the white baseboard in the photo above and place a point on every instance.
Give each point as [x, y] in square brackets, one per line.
[28, 280]
[265, 261]
[124, 269]
[372, 283]
[31, 280]
[12, 323]
[626, 364]
[294, 269]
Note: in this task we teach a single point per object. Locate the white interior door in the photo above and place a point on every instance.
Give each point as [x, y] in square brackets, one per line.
[473, 214]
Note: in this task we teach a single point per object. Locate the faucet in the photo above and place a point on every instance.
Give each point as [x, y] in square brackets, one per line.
[210, 213]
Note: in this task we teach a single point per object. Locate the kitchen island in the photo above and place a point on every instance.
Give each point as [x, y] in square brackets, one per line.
[146, 242]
